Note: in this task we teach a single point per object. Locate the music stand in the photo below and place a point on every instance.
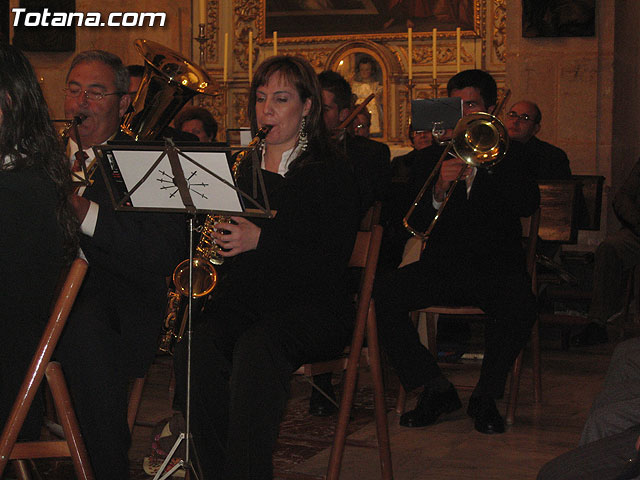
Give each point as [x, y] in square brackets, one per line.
[157, 174]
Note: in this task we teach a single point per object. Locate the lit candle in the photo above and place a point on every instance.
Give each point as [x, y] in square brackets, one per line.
[226, 58]
[410, 51]
[250, 55]
[458, 53]
[275, 43]
[203, 11]
[435, 61]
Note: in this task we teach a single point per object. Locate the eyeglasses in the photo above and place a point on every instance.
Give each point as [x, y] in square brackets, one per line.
[417, 133]
[523, 117]
[93, 95]
[362, 125]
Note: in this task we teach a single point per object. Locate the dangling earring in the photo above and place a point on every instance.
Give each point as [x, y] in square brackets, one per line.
[303, 140]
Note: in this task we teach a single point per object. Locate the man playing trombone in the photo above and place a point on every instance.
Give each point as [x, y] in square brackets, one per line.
[473, 256]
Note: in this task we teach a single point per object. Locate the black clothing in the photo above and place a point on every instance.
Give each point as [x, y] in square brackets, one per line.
[276, 307]
[112, 332]
[545, 161]
[474, 257]
[31, 264]
[371, 164]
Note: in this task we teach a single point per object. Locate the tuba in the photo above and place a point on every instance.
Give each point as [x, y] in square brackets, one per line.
[168, 83]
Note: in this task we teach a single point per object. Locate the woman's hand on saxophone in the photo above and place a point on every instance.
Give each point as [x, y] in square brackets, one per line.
[241, 236]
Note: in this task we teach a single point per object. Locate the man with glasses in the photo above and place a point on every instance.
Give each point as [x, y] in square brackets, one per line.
[543, 160]
[112, 332]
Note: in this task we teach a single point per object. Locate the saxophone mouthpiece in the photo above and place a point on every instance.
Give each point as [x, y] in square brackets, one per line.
[264, 131]
[78, 119]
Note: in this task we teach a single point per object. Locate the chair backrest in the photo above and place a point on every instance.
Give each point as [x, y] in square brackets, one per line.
[559, 210]
[530, 232]
[590, 202]
[372, 217]
[41, 358]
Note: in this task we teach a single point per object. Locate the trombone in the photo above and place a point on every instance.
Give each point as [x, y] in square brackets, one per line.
[480, 140]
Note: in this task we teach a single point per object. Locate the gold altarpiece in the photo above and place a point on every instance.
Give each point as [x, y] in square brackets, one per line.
[482, 46]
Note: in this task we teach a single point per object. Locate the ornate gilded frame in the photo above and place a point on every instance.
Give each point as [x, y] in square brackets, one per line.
[479, 7]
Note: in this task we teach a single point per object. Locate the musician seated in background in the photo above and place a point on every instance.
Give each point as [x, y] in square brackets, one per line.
[401, 165]
[197, 121]
[281, 299]
[38, 237]
[361, 125]
[370, 159]
[112, 332]
[615, 258]
[474, 256]
[543, 160]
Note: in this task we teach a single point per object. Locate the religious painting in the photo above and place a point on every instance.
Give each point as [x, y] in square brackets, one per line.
[365, 76]
[343, 19]
[558, 18]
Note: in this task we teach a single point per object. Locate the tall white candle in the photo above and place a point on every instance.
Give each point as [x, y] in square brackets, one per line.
[250, 55]
[458, 52]
[203, 11]
[410, 51]
[226, 58]
[435, 61]
[275, 43]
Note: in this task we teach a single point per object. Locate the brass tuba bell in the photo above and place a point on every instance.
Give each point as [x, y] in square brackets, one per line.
[168, 83]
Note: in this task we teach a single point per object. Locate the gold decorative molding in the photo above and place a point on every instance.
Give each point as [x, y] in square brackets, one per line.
[245, 14]
[500, 29]
[239, 109]
[316, 57]
[212, 31]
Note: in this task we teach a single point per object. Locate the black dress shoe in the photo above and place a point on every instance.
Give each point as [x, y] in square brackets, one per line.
[319, 405]
[593, 334]
[485, 413]
[431, 405]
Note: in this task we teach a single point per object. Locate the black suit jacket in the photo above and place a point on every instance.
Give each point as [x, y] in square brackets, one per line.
[130, 255]
[545, 161]
[371, 164]
[482, 232]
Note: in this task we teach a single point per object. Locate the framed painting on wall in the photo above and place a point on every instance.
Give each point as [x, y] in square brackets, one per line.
[302, 20]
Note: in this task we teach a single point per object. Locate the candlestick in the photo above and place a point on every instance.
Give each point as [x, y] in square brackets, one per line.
[275, 43]
[226, 58]
[250, 55]
[435, 61]
[458, 53]
[410, 51]
[434, 87]
[203, 11]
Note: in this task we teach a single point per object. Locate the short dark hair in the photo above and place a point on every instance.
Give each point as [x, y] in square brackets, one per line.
[135, 70]
[335, 83]
[479, 79]
[198, 113]
[110, 60]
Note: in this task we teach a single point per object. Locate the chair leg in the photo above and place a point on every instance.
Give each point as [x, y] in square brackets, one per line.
[135, 397]
[346, 401]
[381, 413]
[535, 351]
[402, 400]
[513, 390]
[67, 417]
[432, 332]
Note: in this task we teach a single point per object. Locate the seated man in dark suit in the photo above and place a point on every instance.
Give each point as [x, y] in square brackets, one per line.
[474, 256]
[370, 162]
[370, 159]
[401, 165]
[111, 335]
[543, 160]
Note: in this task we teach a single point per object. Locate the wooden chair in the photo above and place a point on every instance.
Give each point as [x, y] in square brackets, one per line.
[530, 232]
[73, 445]
[365, 255]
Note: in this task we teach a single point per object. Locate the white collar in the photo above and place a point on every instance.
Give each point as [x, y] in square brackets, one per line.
[287, 157]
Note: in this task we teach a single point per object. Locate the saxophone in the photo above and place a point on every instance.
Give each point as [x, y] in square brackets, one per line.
[207, 254]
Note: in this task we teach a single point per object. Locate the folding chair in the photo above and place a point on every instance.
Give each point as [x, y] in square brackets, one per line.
[73, 445]
[364, 255]
[530, 233]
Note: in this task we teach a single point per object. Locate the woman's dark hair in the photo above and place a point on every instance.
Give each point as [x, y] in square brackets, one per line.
[301, 75]
[28, 138]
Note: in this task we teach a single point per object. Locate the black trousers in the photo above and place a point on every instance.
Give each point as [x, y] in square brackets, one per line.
[505, 297]
[242, 361]
[93, 362]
